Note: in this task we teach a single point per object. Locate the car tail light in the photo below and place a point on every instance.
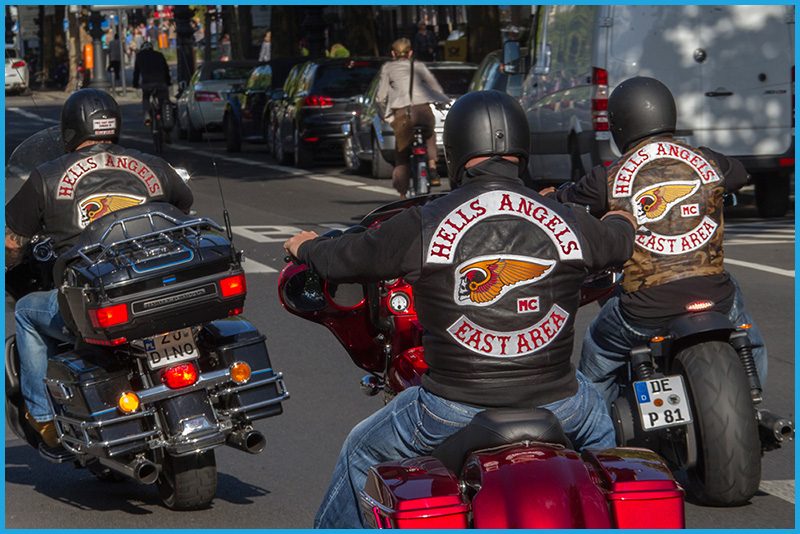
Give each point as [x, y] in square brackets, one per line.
[18, 65]
[233, 285]
[179, 376]
[700, 305]
[206, 96]
[599, 99]
[318, 101]
[109, 316]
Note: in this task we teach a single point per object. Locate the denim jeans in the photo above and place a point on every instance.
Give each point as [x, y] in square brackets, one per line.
[416, 421]
[609, 339]
[40, 329]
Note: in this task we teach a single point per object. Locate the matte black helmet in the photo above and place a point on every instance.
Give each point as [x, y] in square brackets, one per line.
[147, 45]
[485, 123]
[90, 114]
[640, 107]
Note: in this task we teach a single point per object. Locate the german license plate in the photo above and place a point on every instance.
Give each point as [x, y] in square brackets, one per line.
[170, 348]
[663, 402]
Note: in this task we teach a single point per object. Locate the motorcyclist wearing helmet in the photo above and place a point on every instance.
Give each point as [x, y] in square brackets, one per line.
[154, 71]
[675, 191]
[472, 257]
[59, 199]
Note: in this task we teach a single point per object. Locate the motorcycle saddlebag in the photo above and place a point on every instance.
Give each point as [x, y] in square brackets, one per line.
[84, 387]
[162, 270]
[638, 486]
[413, 493]
[236, 340]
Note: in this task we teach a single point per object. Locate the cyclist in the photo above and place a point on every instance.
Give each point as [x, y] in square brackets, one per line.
[152, 67]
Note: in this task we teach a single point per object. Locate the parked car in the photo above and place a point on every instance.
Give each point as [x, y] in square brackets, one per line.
[308, 117]
[491, 75]
[17, 73]
[201, 104]
[371, 140]
[731, 72]
[248, 109]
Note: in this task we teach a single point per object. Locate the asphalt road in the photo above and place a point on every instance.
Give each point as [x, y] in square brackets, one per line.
[282, 487]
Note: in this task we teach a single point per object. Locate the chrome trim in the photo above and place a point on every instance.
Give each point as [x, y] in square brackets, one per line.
[206, 380]
[251, 385]
[282, 396]
[74, 444]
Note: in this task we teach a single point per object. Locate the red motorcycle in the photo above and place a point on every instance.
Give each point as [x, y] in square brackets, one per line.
[507, 468]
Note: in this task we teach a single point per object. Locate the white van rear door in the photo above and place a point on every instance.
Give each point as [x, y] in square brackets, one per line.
[746, 56]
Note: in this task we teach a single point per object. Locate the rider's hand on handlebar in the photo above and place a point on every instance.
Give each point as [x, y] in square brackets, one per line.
[293, 243]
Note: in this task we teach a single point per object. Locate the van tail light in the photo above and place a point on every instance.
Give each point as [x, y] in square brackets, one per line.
[21, 64]
[233, 285]
[206, 96]
[599, 99]
[318, 101]
[179, 376]
[109, 316]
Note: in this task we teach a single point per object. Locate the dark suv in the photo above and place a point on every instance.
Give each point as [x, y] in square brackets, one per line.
[307, 119]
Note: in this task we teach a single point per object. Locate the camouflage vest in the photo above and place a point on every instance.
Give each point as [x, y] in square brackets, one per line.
[675, 193]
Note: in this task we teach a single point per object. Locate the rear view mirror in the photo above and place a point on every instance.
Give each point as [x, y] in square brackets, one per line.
[511, 57]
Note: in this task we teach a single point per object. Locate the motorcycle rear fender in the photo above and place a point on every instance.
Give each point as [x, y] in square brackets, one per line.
[706, 322]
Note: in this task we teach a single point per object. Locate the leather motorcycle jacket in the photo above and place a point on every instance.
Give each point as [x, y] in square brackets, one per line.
[82, 186]
[675, 192]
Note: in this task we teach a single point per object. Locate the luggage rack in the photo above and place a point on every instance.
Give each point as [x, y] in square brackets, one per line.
[142, 241]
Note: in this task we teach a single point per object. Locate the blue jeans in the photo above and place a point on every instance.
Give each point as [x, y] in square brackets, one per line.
[609, 339]
[40, 329]
[416, 421]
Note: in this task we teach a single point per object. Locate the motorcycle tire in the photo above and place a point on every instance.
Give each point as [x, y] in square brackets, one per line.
[728, 467]
[188, 482]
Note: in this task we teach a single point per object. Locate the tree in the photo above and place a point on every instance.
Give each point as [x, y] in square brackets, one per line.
[483, 31]
[286, 24]
[360, 25]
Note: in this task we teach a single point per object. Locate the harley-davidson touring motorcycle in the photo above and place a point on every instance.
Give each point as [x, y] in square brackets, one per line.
[507, 468]
[164, 369]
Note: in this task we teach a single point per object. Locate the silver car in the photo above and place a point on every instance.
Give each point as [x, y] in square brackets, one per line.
[17, 74]
[370, 141]
[201, 104]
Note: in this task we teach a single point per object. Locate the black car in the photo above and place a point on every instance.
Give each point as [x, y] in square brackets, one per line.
[248, 109]
[308, 117]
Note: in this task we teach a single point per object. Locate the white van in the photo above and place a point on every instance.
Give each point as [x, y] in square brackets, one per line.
[730, 68]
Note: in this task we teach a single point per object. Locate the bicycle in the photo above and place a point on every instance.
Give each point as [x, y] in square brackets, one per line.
[160, 120]
[418, 180]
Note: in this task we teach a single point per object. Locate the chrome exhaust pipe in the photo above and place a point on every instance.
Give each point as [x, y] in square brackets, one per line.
[141, 470]
[773, 429]
[251, 441]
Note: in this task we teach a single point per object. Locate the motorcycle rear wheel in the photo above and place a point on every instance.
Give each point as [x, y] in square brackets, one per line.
[728, 467]
[188, 482]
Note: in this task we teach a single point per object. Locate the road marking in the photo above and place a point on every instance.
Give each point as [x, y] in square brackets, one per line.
[32, 115]
[783, 489]
[379, 189]
[334, 180]
[266, 234]
[252, 267]
[759, 267]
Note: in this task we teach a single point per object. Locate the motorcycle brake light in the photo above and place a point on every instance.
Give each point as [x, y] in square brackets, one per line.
[179, 376]
[109, 316]
[700, 305]
[235, 311]
[233, 285]
[106, 342]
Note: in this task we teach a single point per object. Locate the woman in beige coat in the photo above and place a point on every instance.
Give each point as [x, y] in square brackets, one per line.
[405, 107]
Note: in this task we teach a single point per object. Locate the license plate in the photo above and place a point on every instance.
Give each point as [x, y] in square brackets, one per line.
[663, 402]
[170, 348]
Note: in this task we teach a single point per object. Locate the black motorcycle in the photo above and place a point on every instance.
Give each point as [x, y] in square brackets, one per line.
[164, 369]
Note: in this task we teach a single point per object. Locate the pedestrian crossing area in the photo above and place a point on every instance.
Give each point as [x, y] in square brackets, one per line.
[764, 232]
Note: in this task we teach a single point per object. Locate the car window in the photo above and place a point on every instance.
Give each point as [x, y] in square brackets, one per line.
[455, 82]
[344, 80]
[293, 81]
[195, 77]
[11, 53]
[373, 88]
[260, 79]
[229, 73]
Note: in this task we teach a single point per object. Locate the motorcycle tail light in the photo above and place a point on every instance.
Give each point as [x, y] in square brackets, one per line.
[233, 285]
[235, 311]
[109, 316]
[179, 376]
[420, 151]
[106, 342]
[240, 372]
[699, 305]
[318, 101]
[128, 402]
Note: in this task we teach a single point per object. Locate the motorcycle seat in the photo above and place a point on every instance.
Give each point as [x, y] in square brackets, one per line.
[498, 427]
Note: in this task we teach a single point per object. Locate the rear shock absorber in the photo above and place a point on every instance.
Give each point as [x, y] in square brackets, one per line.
[641, 363]
[741, 343]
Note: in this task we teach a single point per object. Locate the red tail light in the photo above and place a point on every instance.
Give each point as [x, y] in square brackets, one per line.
[106, 342]
[318, 101]
[179, 376]
[235, 311]
[109, 316]
[206, 96]
[18, 65]
[232, 286]
[420, 150]
[599, 99]
[700, 305]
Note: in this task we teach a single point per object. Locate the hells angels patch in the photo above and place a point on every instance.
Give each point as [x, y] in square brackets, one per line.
[481, 281]
[93, 207]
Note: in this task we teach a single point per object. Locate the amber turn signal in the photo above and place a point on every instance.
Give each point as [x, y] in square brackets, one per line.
[240, 372]
[128, 402]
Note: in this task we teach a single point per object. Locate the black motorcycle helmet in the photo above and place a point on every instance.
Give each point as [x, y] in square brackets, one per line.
[90, 114]
[640, 107]
[485, 123]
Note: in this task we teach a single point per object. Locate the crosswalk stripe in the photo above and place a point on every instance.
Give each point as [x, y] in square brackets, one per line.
[783, 489]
